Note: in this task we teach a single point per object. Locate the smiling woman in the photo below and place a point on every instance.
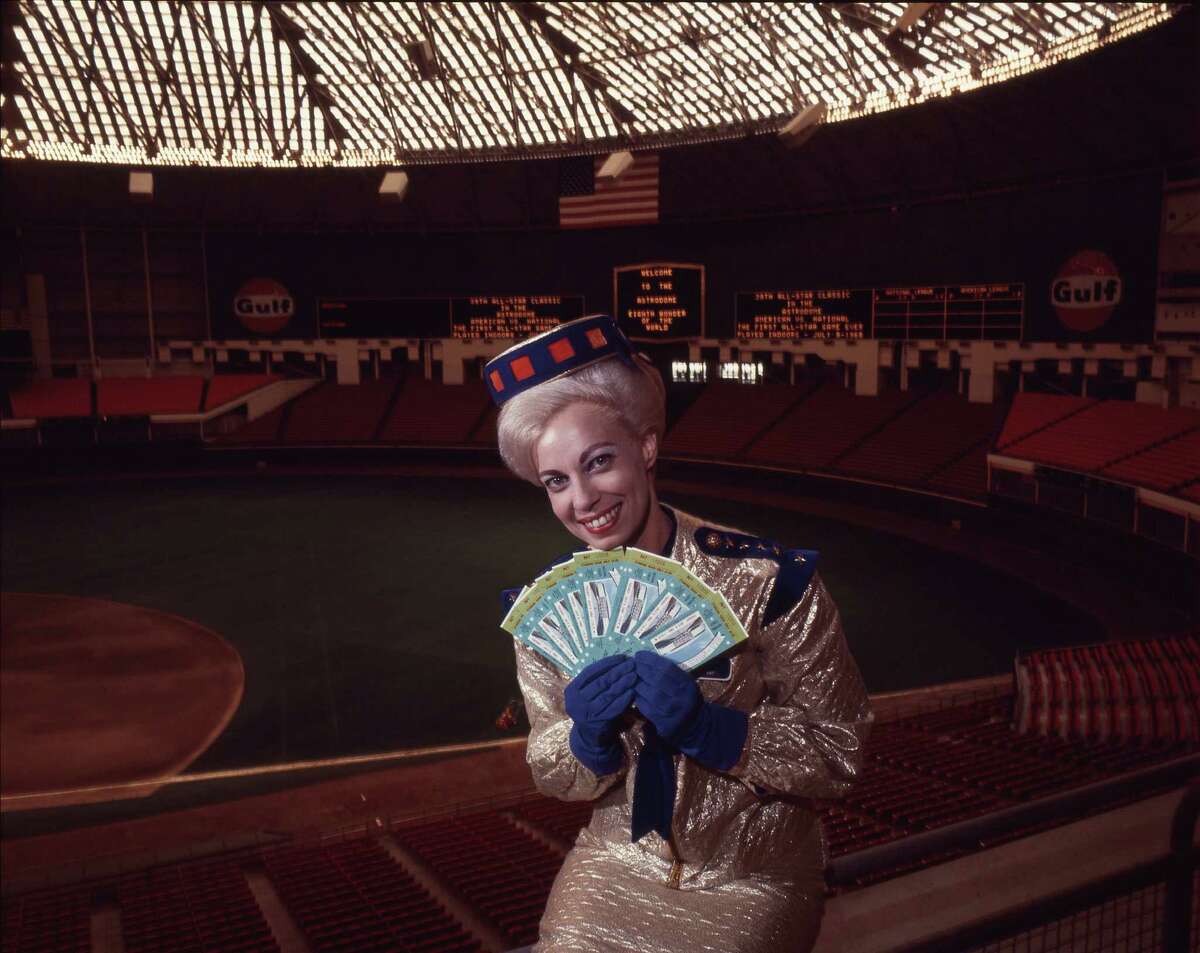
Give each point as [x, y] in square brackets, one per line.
[595, 471]
[702, 837]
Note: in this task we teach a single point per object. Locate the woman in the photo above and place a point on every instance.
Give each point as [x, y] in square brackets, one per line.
[702, 836]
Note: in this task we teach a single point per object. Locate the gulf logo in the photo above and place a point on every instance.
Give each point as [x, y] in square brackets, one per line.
[263, 305]
[1086, 290]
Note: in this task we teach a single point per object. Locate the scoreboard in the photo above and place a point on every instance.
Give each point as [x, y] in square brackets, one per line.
[511, 316]
[985, 312]
[467, 316]
[659, 301]
[980, 312]
[827, 314]
[383, 317]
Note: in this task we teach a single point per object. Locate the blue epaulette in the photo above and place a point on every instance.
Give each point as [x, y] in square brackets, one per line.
[796, 566]
[509, 596]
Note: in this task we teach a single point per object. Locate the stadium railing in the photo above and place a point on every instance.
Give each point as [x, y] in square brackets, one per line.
[1146, 908]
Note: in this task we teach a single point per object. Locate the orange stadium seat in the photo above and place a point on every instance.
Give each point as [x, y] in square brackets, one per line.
[501, 869]
[1102, 433]
[52, 398]
[203, 904]
[1032, 412]
[726, 416]
[925, 437]
[1171, 463]
[117, 396]
[352, 895]
[332, 413]
[826, 425]
[433, 413]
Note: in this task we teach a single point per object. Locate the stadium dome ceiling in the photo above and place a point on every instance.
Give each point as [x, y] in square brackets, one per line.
[378, 84]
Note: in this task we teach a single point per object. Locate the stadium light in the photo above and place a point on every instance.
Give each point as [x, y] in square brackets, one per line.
[614, 166]
[141, 186]
[394, 185]
[799, 129]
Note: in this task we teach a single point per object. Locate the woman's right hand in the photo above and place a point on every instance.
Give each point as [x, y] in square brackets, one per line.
[595, 699]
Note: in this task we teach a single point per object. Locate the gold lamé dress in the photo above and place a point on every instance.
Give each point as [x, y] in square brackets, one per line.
[744, 869]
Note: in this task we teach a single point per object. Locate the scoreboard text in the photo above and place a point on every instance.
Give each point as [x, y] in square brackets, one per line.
[469, 316]
[659, 301]
[980, 312]
[838, 313]
[512, 316]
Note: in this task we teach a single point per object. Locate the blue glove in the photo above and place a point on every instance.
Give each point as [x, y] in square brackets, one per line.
[595, 699]
[705, 731]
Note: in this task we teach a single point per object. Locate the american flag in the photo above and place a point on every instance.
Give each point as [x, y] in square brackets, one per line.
[585, 202]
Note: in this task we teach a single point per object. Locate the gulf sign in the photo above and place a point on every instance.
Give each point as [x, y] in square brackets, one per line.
[263, 306]
[1086, 290]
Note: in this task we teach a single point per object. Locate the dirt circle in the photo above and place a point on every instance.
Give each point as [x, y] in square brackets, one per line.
[96, 693]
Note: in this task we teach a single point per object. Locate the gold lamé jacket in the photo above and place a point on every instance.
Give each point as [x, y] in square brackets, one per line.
[809, 718]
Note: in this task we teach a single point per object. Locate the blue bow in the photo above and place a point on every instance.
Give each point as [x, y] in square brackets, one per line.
[653, 788]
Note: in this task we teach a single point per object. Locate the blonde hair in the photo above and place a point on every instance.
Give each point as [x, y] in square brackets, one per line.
[635, 397]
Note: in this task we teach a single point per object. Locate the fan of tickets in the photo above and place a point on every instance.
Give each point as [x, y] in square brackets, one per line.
[618, 602]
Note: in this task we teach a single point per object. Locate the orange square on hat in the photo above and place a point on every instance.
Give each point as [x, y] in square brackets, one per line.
[560, 350]
[497, 381]
[521, 368]
[596, 337]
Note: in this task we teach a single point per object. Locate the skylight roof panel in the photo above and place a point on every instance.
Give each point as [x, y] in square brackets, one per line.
[677, 66]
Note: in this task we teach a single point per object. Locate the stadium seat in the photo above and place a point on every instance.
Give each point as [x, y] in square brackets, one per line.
[116, 396]
[52, 398]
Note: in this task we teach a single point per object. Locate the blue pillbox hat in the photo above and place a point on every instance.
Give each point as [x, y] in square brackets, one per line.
[554, 353]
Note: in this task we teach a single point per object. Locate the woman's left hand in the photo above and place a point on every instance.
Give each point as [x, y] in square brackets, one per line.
[667, 695]
[709, 733]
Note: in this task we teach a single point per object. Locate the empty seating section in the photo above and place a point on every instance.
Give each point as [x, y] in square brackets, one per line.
[332, 414]
[224, 388]
[1098, 435]
[1163, 467]
[430, 413]
[55, 920]
[501, 870]
[943, 767]
[352, 896]
[725, 417]
[824, 426]
[485, 434]
[560, 819]
[117, 396]
[964, 477]
[1141, 690]
[924, 437]
[921, 773]
[1032, 412]
[1191, 492]
[200, 905]
[41, 399]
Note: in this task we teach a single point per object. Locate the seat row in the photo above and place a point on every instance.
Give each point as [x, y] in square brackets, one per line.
[201, 905]
[1124, 440]
[901, 436]
[353, 896]
[501, 870]
[56, 920]
[562, 819]
[131, 396]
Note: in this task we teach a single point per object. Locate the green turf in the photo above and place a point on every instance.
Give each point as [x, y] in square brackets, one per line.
[366, 608]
